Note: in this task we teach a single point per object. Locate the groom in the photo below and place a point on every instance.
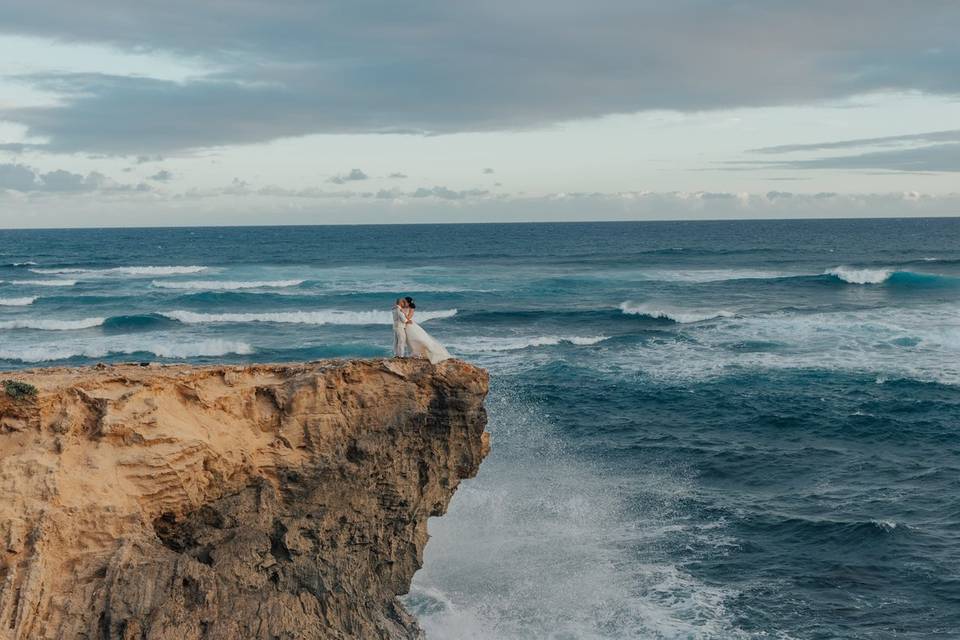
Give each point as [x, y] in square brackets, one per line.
[399, 328]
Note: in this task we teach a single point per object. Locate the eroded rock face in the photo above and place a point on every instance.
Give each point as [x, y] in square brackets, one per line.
[180, 503]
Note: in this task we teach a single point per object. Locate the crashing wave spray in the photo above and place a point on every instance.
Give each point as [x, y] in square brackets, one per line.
[541, 545]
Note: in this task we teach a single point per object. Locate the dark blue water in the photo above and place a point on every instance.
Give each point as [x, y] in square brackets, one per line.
[700, 430]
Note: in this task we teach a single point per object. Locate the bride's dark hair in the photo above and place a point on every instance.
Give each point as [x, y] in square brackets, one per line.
[410, 302]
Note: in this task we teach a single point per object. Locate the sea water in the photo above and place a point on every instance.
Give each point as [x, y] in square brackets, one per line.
[700, 429]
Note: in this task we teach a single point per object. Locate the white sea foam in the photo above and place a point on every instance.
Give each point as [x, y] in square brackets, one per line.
[224, 285]
[712, 275]
[860, 276]
[682, 316]
[17, 302]
[41, 283]
[480, 345]
[327, 316]
[125, 271]
[917, 343]
[28, 263]
[573, 558]
[46, 324]
[162, 348]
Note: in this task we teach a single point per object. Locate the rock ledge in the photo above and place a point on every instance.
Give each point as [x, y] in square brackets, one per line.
[228, 502]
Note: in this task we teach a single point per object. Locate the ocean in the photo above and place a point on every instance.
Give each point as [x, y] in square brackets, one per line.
[741, 429]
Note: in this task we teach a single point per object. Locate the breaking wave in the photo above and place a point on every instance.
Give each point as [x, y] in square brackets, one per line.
[860, 276]
[480, 345]
[52, 325]
[17, 302]
[891, 277]
[125, 271]
[680, 316]
[224, 285]
[328, 316]
[42, 283]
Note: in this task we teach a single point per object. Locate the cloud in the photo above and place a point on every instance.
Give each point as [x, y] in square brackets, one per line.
[932, 158]
[445, 193]
[243, 204]
[20, 147]
[17, 177]
[162, 176]
[908, 139]
[397, 175]
[21, 178]
[355, 175]
[291, 68]
[488, 170]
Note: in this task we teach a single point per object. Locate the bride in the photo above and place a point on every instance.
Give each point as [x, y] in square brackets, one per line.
[421, 343]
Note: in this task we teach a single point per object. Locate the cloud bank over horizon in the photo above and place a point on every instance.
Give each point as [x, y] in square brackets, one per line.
[206, 85]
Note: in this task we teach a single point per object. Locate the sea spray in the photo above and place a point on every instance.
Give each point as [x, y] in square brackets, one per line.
[542, 545]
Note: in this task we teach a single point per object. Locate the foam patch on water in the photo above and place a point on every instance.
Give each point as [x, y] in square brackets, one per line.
[46, 324]
[42, 283]
[125, 271]
[481, 345]
[224, 285]
[171, 347]
[541, 545]
[323, 317]
[17, 302]
[920, 344]
[713, 275]
[675, 314]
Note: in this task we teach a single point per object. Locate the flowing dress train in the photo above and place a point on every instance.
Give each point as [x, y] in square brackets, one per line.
[423, 345]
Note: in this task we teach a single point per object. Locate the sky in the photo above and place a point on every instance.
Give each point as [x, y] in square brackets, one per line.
[118, 113]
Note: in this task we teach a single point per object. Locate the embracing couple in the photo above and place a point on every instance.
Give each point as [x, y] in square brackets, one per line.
[409, 337]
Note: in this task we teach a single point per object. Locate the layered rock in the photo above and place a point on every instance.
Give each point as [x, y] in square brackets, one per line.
[260, 502]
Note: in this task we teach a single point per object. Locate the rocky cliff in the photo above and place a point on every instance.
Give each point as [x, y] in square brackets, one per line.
[260, 502]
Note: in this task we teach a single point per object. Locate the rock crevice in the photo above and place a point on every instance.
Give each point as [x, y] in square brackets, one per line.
[264, 501]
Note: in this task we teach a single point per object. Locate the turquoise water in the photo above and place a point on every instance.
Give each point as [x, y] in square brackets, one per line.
[700, 430]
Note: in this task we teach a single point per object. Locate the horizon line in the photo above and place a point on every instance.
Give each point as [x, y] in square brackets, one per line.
[488, 222]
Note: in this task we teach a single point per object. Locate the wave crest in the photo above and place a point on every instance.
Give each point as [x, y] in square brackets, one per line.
[851, 275]
[479, 345]
[17, 302]
[52, 325]
[42, 283]
[125, 271]
[680, 316]
[322, 317]
[224, 285]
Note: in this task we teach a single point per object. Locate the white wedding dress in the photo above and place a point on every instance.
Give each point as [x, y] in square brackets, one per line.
[423, 345]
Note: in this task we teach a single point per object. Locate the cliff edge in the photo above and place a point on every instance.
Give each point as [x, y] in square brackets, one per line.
[228, 502]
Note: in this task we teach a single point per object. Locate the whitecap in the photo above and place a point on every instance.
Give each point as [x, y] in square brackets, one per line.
[125, 271]
[321, 317]
[682, 316]
[224, 285]
[42, 283]
[712, 275]
[480, 345]
[17, 302]
[43, 324]
[885, 344]
[852, 275]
